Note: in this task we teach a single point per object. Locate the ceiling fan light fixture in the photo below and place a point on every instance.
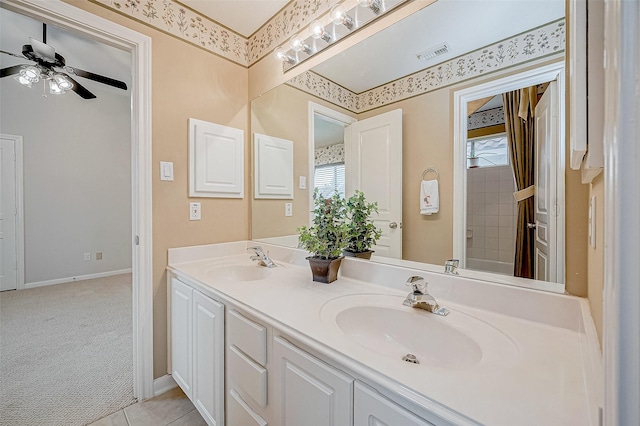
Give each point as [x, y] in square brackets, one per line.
[30, 73]
[22, 80]
[54, 88]
[63, 82]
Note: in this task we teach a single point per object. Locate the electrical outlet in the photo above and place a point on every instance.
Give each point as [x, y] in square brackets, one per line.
[87, 256]
[194, 211]
[99, 255]
[288, 209]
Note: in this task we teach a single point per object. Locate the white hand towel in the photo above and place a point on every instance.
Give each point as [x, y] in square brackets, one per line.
[429, 197]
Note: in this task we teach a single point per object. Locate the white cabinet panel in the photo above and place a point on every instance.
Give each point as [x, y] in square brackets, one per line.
[181, 345]
[208, 359]
[308, 391]
[240, 414]
[216, 160]
[372, 409]
[273, 167]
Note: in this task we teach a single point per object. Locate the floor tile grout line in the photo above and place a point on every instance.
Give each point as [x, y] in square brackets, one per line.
[186, 414]
[126, 418]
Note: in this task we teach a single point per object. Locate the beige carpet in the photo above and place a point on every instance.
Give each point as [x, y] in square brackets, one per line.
[66, 352]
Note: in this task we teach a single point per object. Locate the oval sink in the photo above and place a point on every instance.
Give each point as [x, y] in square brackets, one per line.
[380, 323]
[239, 272]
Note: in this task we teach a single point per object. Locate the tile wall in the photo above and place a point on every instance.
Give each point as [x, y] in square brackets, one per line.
[491, 214]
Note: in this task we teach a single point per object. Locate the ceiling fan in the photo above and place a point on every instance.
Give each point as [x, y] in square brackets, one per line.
[51, 66]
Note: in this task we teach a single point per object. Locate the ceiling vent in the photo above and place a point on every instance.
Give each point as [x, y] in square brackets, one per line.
[433, 51]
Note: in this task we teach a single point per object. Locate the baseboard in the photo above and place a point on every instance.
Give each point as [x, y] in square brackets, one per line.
[163, 384]
[77, 278]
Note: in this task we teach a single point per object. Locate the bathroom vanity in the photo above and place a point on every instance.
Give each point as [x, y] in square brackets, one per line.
[251, 345]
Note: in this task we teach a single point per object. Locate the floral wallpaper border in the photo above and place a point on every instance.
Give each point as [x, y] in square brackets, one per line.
[178, 20]
[329, 154]
[489, 117]
[184, 23]
[534, 44]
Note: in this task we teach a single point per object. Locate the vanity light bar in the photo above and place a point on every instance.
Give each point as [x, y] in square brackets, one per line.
[335, 25]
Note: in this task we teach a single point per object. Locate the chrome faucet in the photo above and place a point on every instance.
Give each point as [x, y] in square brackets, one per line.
[262, 258]
[451, 266]
[419, 298]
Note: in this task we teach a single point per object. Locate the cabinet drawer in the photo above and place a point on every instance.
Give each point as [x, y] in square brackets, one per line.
[248, 336]
[248, 376]
[241, 414]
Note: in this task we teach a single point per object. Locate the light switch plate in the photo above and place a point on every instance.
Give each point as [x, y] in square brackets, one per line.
[166, 170]
[303, 182]
[194, 211]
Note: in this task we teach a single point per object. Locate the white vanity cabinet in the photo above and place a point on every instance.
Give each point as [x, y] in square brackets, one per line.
[197, 349]
[309, 392]
[371, 408]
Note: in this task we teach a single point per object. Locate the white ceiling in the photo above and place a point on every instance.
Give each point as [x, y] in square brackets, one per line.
[78, 51]
[466, 25]
[242, 16]
[326, 132]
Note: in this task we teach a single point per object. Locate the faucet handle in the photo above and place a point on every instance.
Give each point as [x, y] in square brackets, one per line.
[451, 266]
[257, 249]
[418, 284]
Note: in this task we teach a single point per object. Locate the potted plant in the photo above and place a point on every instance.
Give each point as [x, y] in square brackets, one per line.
[363, 233]
[326, 238]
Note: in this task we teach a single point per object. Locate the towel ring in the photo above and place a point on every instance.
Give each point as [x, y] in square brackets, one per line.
[431, 170]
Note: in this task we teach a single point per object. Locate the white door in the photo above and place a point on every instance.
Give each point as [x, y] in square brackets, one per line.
[8, 215]
[373, 162]
[545, 199]
[208, 358]
[309, 392]
[181, 335]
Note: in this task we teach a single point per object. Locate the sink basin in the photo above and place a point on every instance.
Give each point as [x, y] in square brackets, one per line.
[380, 323]
[239, 272]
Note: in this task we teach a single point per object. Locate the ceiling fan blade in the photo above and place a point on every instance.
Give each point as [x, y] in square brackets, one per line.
[4, 72]
[99, 78]
[80, 89]
[12, 54]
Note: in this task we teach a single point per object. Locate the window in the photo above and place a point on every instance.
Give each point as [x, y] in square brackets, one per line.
[488, 151]
[329, 179]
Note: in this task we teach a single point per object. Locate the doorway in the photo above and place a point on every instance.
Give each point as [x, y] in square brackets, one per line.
[11, 214]
[552, 72]
[78, 21]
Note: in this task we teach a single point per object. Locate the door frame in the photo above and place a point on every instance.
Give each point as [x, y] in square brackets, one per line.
[538, 75]
[19, 184]
[76, 20]
[331, 115]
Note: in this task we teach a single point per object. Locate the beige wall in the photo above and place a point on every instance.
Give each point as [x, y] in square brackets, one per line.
[284, 113]
[187, 82]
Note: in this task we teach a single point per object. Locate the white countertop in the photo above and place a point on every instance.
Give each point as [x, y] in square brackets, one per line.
[545, 372]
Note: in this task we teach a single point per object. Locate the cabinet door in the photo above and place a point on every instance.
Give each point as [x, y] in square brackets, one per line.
[308, 391]
[208, 358]
[373, 409]
[181, 350]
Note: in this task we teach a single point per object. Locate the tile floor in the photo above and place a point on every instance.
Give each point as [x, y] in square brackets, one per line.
[171, 408]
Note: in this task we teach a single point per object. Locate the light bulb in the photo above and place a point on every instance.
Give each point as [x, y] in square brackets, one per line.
[298, 44]
[281, 54]
[374, 5]
[54, 89]
[339, 16]
[316, 29]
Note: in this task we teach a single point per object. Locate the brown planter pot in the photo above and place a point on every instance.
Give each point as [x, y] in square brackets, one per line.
[324, 270]
[360, 255]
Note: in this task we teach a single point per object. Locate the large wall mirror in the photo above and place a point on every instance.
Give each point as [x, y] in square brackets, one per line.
[412, 70]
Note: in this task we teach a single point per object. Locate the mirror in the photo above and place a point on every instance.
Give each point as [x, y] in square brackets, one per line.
[472, 43]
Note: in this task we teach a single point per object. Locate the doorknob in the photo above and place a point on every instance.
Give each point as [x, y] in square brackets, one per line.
[393, 225]
[531, 225]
